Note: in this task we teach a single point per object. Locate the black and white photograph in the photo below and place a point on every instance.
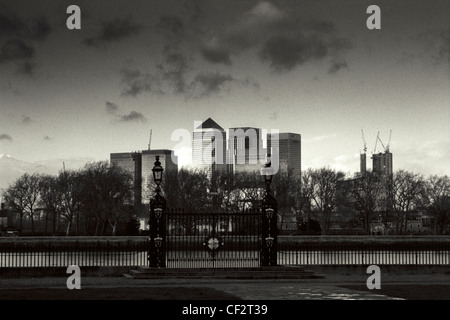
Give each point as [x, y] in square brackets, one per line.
[220, 156]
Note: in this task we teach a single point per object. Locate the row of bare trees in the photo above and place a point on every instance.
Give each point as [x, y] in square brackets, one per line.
[92, 200]
[393, 197]
[97, 198]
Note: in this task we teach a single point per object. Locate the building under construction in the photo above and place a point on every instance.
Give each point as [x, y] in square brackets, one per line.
[382, 162]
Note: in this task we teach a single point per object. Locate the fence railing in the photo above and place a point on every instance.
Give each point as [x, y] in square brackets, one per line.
[60, 252]
[365, 250]
[132, 251]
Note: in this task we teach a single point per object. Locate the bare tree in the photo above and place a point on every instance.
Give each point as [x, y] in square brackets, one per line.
[404, 192]
[190, 186]
[324, 193]
[32, 185]
[228, 195]
[248, 188]
[51, 200]
[435, 196]
[23, 196]
[187, 190]
[366, 190]
[119, 189]
[71, 185]
[305, 198]
[286, 188]
[16, 198]
[106, 195]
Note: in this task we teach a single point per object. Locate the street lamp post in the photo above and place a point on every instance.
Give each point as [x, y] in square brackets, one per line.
[157, 222]
[269, 230]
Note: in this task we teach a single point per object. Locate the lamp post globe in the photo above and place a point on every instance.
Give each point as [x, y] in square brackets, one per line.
[157, 172]
[268, 175]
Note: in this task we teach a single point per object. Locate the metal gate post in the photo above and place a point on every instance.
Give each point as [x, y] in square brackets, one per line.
[157, 223]
[269, 230]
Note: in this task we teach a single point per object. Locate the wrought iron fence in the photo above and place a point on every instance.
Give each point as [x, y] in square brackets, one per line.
[59, 252]
[362, 250]
[242, 251]
[213, 240]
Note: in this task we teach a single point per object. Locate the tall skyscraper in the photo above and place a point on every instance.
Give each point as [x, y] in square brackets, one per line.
[245, 146]
[382, 163]
[209, 148]
[289, 153]
[362, 163]
[140, 164]
[132, 162]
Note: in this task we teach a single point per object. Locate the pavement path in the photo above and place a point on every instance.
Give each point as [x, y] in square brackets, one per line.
[328, 288]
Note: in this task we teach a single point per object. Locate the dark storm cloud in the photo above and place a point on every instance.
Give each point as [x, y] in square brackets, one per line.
[5, 137]
[133, 116]
[194, 9]
[284, 52]
[216, 55]
[16, 49]
[111, 108]
[174, 68]
[283, 40]
[433, 47]
[36, 28]
[26, 68]
[26, 119]
[137, 82]
[168, 76]
[247, 31]
[336, 66]
[171, 24]
[16, 40]
[114, 30]
[20, 53]
[319, 26]
[249, 82]
[10, 25]
[209, 83]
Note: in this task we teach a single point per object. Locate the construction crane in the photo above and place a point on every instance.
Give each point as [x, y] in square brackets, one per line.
[150, 139]
[389, 142]
[382, 143]
[376, 141]
[386, 148]
[364, 141]
[363, 155]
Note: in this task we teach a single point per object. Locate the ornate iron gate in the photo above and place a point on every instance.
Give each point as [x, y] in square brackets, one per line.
[213, 240]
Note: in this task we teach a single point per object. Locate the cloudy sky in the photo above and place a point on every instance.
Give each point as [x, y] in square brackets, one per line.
[309, 67]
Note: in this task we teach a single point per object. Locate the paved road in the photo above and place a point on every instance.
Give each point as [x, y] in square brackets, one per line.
[328, 288]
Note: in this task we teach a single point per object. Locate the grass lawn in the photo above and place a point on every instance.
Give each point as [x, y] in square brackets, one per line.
[409, 291]
[122, 293]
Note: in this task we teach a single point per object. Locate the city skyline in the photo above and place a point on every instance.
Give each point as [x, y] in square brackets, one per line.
[309, 68]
